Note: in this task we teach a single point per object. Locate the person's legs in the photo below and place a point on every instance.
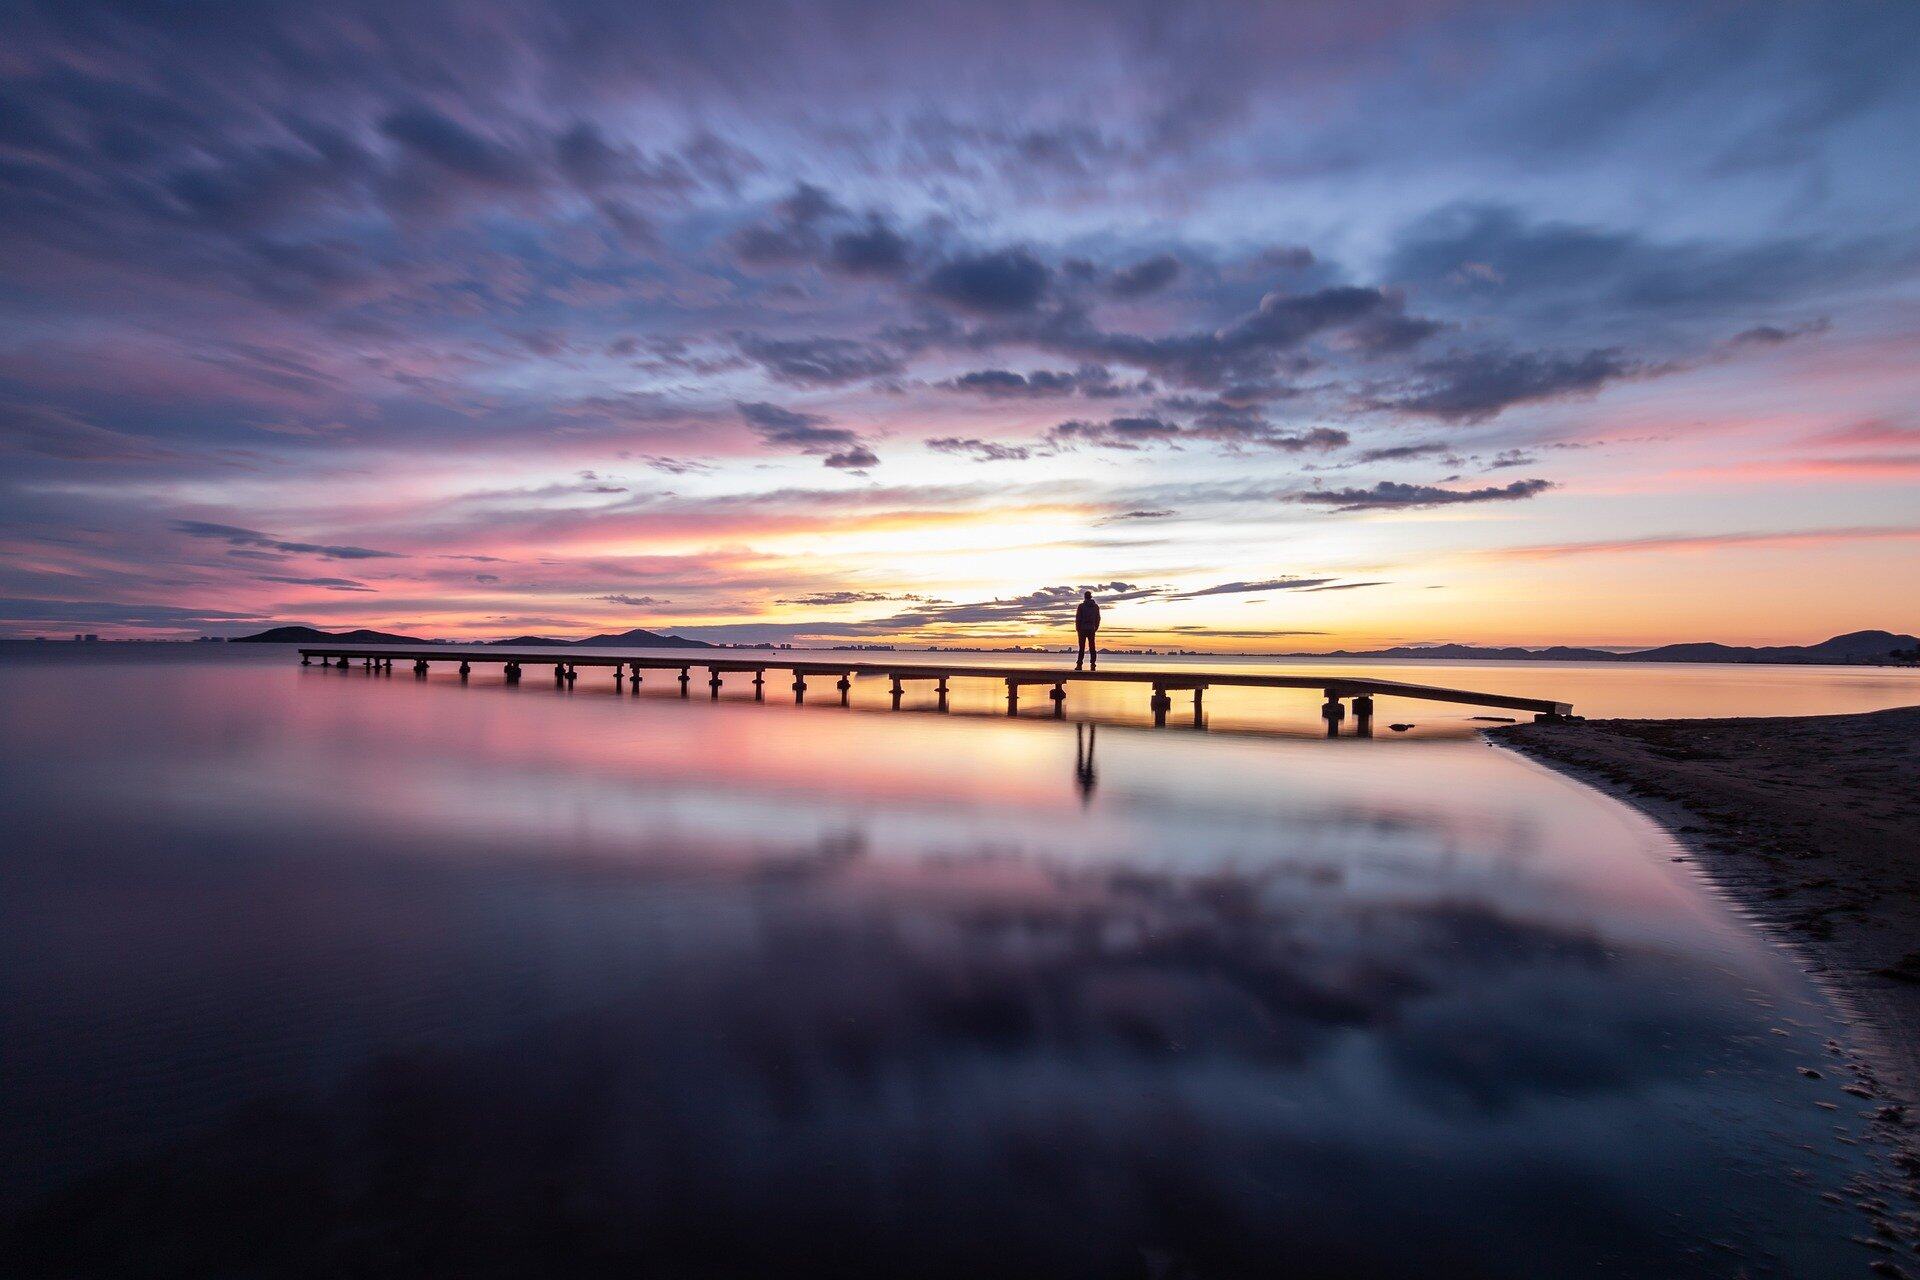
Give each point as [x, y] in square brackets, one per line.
[1080, 658]
[1093, 655]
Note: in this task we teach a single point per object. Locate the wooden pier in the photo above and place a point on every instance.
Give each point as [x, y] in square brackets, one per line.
[1338, 691]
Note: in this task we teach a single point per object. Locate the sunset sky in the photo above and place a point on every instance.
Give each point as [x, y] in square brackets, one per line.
[1282, 327]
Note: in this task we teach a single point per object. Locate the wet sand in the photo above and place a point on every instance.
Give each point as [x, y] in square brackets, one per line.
[1812, 822]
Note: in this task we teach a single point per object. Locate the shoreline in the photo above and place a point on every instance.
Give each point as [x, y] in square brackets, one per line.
[1808, 824]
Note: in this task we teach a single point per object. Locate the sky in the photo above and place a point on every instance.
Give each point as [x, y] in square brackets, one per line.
[1280, 327]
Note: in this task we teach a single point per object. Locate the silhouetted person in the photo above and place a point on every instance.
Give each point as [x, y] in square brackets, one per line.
[1083, 760]
[1086, 621]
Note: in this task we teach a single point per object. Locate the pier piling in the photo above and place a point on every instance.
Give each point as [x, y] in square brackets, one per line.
[1361, 691]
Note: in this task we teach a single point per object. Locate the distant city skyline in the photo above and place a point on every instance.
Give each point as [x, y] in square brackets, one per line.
[1280, 328]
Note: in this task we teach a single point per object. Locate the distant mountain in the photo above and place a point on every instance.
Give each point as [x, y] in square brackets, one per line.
[1855, 646]
[313, 635]
[533, 642]
[639, 639]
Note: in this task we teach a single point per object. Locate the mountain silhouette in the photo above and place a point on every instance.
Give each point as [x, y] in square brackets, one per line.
[1855, 646]
[641, 639]
[313, 635]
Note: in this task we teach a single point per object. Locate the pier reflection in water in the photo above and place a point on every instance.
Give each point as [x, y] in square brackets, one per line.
[357, 975]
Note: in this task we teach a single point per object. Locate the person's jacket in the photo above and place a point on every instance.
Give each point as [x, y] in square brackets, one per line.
[1087, 616]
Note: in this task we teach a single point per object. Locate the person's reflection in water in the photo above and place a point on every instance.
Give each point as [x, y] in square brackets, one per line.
[1083, 760]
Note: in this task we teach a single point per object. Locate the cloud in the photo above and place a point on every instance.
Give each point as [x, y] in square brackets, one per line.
[825, 599]
[1401, 452]
[331, 584]
[634, 602]
[1248, 350]
[1142, 514]
[1150, 275]
[859, 457]
[238, 537]
[1116, 433]
[1663, 543]
[980, 450]
[1006, 282]
[1391, 495]
[819, 362]
[1473, 386]
[1498, 256]
[873, 250]
[1773, 335]
[1006, 383]
[1251, 588]
[804, 432]
[1232, 429]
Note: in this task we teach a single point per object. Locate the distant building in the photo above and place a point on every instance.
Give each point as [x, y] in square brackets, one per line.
[90, 636]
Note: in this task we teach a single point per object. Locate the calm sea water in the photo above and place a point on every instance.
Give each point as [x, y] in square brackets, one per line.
[309, 972]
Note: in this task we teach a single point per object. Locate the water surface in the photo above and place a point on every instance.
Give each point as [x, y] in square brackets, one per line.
[320, 972]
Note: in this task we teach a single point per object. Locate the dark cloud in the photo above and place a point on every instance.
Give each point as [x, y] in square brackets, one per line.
[1253, 588]
[1149, 275]
[980, 450]
[1401, 452]
[1007, 282]
[1249, 350]
[857, 458]
[1143, 514]
[806, 433]
[1499, 256]
[1389, 495]
[1236, 429]
[1116, 433]
[238, 537]
[819, 362]
[1005, 382]
[1046, 607]
[873, 250]
[330, 584]
[1473, 386]
[634, 602]
[824, 599]
[456, 149]
[1772, 335]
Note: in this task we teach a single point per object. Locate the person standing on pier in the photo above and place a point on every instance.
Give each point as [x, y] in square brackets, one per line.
[1086, 621]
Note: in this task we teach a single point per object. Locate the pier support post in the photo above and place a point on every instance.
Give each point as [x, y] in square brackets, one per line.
[1363, 715]
[1161, 704]
[713, 684]
[1333, 713]
[1013, 696]
[512, 672]
[343, 662]
[799, 688]
[1059, 696]
[305, 661]
[420, 666]
[1199, 717]
[845, 686]
[898, 690]
[686, 680]
[559, 673]
[636, 677]
[573, 673]
[466, 669]
[943, 693]
[760, 685]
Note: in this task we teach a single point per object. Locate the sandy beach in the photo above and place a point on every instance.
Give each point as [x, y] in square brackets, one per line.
[1812, 822]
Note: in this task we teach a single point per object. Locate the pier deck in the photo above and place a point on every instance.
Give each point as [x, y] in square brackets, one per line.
[1336, 689]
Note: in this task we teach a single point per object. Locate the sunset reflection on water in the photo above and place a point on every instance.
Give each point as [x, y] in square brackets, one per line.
[346, 967]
